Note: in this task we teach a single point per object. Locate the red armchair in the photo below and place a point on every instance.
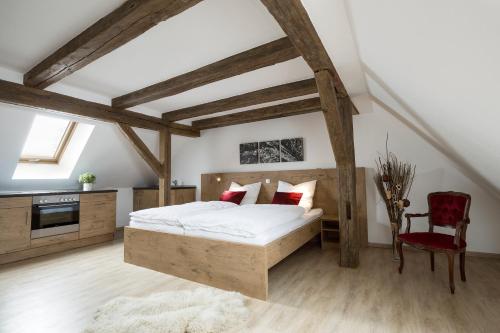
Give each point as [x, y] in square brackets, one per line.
[446, 209]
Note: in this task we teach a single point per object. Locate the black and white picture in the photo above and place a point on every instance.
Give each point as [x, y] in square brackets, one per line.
[273, 151]
[292, 150]
[269, 151]
[249, 153]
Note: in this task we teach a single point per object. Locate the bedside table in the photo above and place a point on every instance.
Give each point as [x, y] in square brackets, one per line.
[330, 232]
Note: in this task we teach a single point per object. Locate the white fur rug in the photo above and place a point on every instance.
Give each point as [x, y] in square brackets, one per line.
[187, 311]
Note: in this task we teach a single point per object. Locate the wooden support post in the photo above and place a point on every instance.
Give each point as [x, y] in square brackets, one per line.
[165, 160]
[338, 117]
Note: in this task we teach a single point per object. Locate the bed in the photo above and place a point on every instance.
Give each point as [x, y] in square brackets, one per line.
[227, 261]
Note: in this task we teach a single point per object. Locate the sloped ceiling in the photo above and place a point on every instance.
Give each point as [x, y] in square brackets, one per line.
[435, 64]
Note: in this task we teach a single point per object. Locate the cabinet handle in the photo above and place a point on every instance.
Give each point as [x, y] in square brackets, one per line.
[26, 216]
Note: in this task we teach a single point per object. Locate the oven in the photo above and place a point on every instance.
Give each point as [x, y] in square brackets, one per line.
[55, 215]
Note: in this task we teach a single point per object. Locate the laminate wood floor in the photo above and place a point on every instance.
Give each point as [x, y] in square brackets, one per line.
[309, 292]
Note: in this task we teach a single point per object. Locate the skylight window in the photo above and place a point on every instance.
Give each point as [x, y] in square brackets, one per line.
[47, 140]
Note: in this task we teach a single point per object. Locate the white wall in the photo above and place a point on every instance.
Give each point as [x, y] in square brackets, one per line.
[218, 151]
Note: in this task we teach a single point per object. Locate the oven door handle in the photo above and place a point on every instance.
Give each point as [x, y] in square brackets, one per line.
[56, 205]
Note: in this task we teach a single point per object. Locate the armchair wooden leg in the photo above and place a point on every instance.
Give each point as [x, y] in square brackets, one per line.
[432, 260]
[462, 266]
[451, 265]
[401, 257]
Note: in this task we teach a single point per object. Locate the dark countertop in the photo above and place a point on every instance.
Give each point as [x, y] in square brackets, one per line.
[155, 187]
[7, 194]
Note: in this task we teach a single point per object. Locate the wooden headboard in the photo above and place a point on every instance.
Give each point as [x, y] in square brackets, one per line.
[326, 188]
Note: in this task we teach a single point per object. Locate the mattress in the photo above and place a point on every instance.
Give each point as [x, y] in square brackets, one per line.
[261, 239]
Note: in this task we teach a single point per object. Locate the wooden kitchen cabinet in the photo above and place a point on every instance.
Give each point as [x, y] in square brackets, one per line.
[148, 197]
[15, 224]
[97, 214]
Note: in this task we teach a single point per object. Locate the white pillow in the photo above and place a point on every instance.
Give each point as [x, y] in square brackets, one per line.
[252, 194]
[307, 189]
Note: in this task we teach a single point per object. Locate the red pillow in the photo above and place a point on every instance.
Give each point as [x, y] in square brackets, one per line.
[232, 196]
[286, 198]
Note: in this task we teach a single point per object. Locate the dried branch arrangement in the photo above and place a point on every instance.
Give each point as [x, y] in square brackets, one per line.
[394, 180]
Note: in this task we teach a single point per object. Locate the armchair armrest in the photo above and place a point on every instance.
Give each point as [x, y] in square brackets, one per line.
[460, 230]
[408, 219]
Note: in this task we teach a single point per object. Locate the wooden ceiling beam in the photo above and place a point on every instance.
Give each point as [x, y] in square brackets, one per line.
[123, 24]
[18, 94]
[182, 130]
[262, 56]
[270, 112]
[276, 93]
[165, 178]
[294, 20]
[141, 148]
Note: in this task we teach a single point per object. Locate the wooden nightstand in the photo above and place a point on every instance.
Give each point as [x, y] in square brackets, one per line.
[330, 232]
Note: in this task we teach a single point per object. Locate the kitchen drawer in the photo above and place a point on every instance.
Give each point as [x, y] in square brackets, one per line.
[98, 227]
[96, 197]
[15, 202]
[37, 242]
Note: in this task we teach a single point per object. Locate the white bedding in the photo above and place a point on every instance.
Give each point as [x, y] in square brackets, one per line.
[172, 215]
[242, 221]
[261, 239]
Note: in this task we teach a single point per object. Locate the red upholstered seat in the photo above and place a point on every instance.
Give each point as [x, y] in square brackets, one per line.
[431, 239]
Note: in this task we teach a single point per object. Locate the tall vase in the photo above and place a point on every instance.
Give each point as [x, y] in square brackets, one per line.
[395, 228]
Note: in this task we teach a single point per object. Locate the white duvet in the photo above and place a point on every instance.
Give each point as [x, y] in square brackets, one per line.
[243, 221]
[172, 215]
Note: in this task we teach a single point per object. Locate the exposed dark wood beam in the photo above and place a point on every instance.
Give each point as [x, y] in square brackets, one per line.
[123, 24]
[18, 94]
[183, 130]
[276, 93]
[165, 160]
[270, 112]
[294, 20]
[338, 118]
[265, 55]
[141, 148]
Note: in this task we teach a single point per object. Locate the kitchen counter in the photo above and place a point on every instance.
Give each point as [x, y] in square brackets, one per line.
[8, 194]
[155, 187]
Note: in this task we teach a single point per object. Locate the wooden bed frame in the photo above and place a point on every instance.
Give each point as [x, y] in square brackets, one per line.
[229, 265]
